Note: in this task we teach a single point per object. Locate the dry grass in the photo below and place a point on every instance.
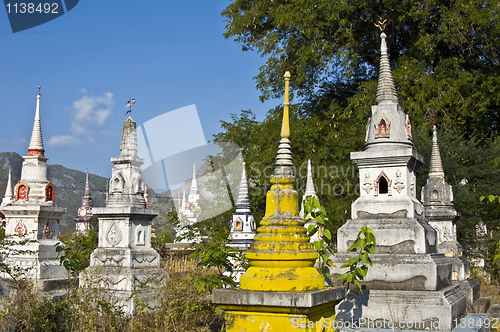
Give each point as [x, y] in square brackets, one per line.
[183, 308]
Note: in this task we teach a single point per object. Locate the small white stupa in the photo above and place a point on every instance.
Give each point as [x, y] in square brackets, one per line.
[310, 191]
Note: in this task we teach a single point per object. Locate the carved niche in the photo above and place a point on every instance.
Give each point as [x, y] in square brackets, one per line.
[49, 192]
[140, 235]
[117, 184]
[408, 128]
[383, 184]
[382, 127]
[22, 190]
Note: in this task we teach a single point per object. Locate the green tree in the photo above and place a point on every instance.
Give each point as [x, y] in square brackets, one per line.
[77, 249]
[444, 55]
[326, 141]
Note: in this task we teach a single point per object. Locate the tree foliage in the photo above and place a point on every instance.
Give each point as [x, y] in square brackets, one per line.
[444, 54]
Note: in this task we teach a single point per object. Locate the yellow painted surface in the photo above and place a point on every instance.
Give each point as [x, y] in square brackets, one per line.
[254, 319]
[281, 257]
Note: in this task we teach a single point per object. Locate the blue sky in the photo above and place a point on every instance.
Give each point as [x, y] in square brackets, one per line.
[90, 61]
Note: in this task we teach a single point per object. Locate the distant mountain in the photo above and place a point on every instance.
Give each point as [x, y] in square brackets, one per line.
[69, 186]
[69, 189]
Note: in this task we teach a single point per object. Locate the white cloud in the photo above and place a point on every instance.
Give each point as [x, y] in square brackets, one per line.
[89, 116]
[90, 113]
[64, 141]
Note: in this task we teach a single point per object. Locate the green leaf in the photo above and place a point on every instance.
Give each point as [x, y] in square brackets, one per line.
[318, 245]
[356, 282]
[362, 244]
[364, 257]
[369, 237]
[328, 235]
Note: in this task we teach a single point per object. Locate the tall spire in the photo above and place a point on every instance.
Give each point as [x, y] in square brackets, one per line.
[436, 168]
[243, 203]
[87, 188]
[284, 159]
[8, 191]
[194, 185]
[386, 93]
[36, 144]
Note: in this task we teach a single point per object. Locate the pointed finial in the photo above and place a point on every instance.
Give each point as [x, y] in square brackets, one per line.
[243, 203]
[8, 191]
[87, 187]
[436, 169]
[386, 92]
[36, 143]
[285, 126]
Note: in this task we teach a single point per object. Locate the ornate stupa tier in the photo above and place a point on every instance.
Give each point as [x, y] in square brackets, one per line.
[243, 227]
[281, 256]
[127, 184]
[388, 125]
[388, 163]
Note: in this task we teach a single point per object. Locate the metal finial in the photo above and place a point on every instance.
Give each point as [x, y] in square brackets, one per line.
[433, 119]
[130, 102]
[381, 24]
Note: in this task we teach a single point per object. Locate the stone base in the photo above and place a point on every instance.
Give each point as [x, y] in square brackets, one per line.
[416, 310]
[126, 286]
[394, 234]
[401, 271]
[47, 273]
[471, 288]
[258, 311]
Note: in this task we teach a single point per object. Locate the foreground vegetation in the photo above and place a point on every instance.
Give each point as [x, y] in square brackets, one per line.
[184, 307]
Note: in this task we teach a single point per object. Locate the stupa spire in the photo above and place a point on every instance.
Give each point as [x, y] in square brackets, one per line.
[281, 257]
[128, 145]
[36, 143]
[87, 187]
[284, 158]
[386, 92]
[310, 191]
[8, 191]
[243, 203]
[436, 168]
[194, 185]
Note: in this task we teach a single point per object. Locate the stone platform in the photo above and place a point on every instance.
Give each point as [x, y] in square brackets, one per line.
[278, 311]
[434, 310]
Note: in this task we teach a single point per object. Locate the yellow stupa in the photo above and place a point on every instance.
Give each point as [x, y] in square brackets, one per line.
[281, 256]
[281, 290]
